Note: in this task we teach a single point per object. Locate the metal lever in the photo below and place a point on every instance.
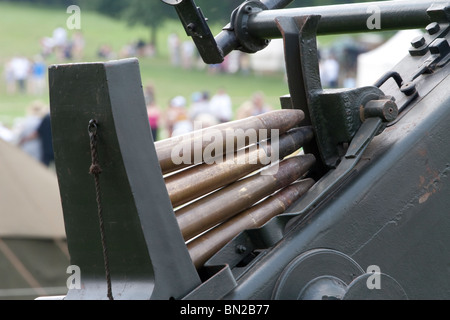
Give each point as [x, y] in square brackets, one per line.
[196, 27]
[213, 50]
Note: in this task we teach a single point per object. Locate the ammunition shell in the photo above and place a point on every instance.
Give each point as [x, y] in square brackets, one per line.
[205, 246]
[283, 120]
[194, 182]
[213, 209]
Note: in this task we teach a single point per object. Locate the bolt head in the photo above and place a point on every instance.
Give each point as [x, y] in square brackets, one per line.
[433, 28]
[418, 42]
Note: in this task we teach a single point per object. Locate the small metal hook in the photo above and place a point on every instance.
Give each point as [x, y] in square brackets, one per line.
[92, 127]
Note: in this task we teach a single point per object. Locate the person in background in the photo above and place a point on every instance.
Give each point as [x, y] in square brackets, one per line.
[9, 78]
[153, 111]
[181, 124]
[153, 118]
[253, 107]
[20, 68]
[199, 105]
[6, 134]
[78, 45]
[26, 131]
[200, 111]
[60, 42]
[329, 71]
[38, 73]
[45, 133]
[174, 44]
[175, 112]
[187, 54]
[221, 106]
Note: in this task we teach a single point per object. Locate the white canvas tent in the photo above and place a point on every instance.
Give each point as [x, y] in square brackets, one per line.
[373, 64]
[271, 59]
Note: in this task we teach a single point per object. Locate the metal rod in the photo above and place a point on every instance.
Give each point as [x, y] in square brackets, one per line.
[348, 18]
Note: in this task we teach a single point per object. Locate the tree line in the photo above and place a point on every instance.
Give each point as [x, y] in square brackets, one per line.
[152, 13]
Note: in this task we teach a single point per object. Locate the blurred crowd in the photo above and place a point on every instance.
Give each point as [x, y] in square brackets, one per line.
[201, 110]
[184, 54]
[26, 75]
[32, 133]
[180, 115]
[23, 75]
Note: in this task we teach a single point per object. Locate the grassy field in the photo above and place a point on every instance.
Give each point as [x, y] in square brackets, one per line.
[22, 27]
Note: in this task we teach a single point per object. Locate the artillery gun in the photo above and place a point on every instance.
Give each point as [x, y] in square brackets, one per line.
[361, 212]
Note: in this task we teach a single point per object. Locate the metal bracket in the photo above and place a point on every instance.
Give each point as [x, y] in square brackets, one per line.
[333, 113]
[439, 28]
[238, 24]
[195, 24]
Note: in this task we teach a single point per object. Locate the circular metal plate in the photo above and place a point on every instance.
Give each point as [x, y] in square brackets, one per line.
[248, 43]
[389, 289]
[312, 265]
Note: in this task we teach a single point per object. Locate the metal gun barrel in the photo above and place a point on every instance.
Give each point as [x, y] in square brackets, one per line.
[335, 19]
[348, 18]
[213, 209]
[276, 4]
[196, 142]
[205, 246]
[199, 180]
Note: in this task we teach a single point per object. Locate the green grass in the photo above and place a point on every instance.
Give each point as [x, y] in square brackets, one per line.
[170, 81]
[22, 27]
